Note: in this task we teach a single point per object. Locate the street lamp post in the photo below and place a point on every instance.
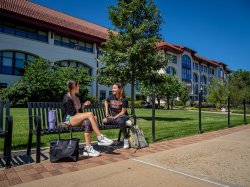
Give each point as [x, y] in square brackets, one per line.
[200, 95]
[244, 105]
[228, 106]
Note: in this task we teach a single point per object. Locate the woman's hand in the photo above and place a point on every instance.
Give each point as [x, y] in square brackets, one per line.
[107, 114]
[87, 103]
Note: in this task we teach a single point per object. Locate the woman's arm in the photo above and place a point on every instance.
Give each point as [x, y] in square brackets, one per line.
[86, 104]
[106, 108]
[122, 113]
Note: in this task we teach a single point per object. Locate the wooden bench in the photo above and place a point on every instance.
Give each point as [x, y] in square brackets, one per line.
[39, 125]
[6, 131]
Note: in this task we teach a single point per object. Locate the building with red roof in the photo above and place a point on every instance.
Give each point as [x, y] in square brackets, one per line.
[196, 71]
[29, 30]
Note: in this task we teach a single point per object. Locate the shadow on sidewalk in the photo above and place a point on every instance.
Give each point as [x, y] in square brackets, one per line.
[20, 158]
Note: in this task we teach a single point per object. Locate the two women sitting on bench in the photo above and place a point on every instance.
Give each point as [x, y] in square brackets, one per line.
[73, 115]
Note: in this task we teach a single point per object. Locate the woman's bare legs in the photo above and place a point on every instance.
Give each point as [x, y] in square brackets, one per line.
[80, 117]
[88, 137]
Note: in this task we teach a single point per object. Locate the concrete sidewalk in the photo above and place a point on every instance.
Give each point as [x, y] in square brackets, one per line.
[209, 159]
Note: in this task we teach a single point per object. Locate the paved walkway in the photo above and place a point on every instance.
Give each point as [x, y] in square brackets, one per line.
[116, 167]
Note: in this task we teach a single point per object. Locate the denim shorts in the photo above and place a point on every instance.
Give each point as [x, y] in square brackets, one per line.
[68, 117]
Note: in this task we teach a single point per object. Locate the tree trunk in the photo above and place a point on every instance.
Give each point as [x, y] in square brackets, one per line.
[159, 101]
[168, 102]
[133, 95]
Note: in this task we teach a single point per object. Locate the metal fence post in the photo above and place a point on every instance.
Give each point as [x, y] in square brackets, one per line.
[153, 114]
[200, 94]
[228, 110]
[244, 104]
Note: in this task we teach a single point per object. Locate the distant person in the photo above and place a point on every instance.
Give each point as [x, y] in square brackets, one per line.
[73, 116]
[118, 104]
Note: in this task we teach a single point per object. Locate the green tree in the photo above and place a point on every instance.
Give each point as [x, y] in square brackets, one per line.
[218, 93]
[130, 53]
[239, 86]
[63, 74]
[17, 94]
[44, 82]
[168, 88]
[38, 78]
[184, 94]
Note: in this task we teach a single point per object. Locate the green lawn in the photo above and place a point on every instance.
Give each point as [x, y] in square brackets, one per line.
[169, 124]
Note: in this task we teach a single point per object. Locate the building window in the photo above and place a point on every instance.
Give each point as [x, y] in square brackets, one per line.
[76, 64]
[209, 71]
[174, 59]
[24, 32]
[171, 71]
[210, 80]
[110, 92]
[195, 89]
[219, 72]
[102, 94]
[196, 66]
[212, 71]
[203, 85]
[73, 44]
[3, 85]
[13, 63]
[205, 69]
[201, 68]
[186, 68]
[195, 78]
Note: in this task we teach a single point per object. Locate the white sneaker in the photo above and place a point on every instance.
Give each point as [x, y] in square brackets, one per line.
[89, 151]
[104, 141]
[126, 144]
[129, 123]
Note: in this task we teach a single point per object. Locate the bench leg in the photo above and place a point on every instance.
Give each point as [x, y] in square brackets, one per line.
[29, 143]
[38, 139]
[8, 142]
[5, 145]
[119, 137]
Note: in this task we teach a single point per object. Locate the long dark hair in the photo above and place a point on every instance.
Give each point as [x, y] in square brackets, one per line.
[122, 93]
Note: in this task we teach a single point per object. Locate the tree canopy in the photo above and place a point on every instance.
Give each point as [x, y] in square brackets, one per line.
[44, 82]
[130, 53]
[239, 86]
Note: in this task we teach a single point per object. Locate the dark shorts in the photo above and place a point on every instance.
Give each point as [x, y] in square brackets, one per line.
[87, 126]
[121, 120]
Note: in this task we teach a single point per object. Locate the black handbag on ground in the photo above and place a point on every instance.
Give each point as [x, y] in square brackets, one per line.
[64, 149]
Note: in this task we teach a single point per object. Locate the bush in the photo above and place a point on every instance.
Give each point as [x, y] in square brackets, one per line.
[178, 103]
[240, 111]
[91, 99]
[203, 105]
[17, 94]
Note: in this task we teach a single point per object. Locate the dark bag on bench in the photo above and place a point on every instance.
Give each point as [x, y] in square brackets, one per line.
[64, 149]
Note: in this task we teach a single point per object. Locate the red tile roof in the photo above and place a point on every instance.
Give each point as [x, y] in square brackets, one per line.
[204, 60]
[169, 47]
[184, 48]
[49, 16]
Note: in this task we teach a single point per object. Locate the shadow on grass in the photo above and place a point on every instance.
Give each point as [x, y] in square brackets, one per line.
[165, 119]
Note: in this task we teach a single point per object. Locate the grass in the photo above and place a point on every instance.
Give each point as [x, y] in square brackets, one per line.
[169, 124]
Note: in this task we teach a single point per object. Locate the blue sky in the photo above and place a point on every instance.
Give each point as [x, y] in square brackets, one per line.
[216, 29]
